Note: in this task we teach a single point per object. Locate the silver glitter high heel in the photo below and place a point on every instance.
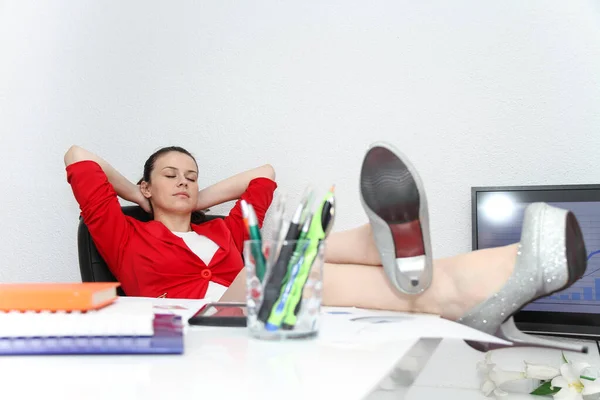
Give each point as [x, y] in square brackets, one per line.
[393, 197]
[551, 257]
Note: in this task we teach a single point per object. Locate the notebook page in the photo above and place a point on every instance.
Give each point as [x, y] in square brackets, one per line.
[116, 319]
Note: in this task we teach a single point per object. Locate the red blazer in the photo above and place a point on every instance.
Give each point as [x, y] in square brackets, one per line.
[146, 257]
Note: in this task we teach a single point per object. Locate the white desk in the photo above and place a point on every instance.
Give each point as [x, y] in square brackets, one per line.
[223, 363]
[217, 363]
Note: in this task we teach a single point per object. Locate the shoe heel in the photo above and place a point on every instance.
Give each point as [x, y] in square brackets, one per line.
[509, 331]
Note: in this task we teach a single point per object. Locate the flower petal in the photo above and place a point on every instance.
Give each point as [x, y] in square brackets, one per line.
[567, 393]
[579, 367]
[486, 365]
[500, 393]
[487, 387]
[590, 387]
[560, 382]
[500, 376]
[569, 373]
[541, 372]
[484, 368]
[590, 372]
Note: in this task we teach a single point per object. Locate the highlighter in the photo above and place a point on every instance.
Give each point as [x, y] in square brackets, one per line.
[277, 313]
[320, 226]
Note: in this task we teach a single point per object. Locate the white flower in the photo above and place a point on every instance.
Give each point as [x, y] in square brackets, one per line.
[573, 387]
[541, 372]
[494, 377]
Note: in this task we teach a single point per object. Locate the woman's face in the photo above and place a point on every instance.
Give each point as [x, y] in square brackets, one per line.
[173, 186]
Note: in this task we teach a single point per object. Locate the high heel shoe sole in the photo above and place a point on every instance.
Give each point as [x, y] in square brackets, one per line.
[576, 256]
[394, 199]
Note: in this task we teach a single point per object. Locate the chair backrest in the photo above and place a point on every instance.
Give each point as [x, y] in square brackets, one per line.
[91, 265]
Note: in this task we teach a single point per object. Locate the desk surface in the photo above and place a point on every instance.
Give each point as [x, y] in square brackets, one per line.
[217, 363]
[226, 363]
[221, 363]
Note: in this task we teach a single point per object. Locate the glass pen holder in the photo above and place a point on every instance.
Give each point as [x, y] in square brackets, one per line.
[284, 285]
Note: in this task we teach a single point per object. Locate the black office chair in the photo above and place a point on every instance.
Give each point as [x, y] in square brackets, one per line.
[91, 265]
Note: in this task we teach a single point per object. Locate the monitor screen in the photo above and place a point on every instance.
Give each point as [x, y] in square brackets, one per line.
[496, 221]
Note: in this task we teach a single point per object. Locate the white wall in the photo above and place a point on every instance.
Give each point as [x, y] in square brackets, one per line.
[476, 93]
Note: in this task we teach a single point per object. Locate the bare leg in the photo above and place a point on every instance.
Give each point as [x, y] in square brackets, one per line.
[459, 284]
[237, 289]
[354, 246]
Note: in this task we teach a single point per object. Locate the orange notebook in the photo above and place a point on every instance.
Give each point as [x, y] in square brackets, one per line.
[56, 296]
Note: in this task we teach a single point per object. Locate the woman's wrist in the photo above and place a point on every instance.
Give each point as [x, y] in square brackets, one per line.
[204, 200]
[133, 194]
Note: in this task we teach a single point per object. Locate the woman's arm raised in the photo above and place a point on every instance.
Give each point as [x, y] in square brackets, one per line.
[124, 188]
[232, 188]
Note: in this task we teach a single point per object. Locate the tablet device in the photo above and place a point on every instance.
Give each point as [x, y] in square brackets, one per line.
[496, 221]
[220, 314]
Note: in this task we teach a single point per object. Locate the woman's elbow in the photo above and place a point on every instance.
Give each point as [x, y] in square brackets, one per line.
[73, 155]
[269, 171]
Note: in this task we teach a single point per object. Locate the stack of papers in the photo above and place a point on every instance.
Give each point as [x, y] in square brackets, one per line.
[117, 319]
[120, 328]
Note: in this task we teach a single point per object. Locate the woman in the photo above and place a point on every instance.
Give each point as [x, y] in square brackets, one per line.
[173, 257]
[167, 257]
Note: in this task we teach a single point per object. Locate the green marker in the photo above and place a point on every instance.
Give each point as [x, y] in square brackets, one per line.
[256, 245]
[320, 226]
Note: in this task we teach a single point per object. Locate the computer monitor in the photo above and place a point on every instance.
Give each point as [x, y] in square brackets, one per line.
[497, 216]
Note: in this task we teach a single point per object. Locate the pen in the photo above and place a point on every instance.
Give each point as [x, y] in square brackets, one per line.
[278, 223]
[277, 313]
[279, 269]
[298, 250]
[307, 200]
[255, 238]
[244, 207]
[278, 216]
[320, 226]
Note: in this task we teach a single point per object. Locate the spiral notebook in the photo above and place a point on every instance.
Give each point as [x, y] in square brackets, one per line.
[120, 328]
